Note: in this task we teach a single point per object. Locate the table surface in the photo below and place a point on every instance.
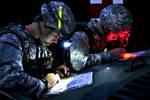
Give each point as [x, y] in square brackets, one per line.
[107, 78]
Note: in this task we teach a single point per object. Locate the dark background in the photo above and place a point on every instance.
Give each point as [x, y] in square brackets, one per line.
[24, 11]
[140, 39]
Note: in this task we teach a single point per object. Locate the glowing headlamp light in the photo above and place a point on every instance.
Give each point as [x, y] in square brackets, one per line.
[66, 44]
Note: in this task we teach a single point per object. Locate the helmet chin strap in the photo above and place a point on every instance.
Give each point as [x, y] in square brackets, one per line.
[39, 28]
[39, 31]
[40, 34]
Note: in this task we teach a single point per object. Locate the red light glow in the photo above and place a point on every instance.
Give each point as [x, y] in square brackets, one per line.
[128, 55]
[121, 35]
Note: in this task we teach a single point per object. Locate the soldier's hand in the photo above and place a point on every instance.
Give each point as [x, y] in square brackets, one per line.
[117, 53]
[52, 79]
[63, 71]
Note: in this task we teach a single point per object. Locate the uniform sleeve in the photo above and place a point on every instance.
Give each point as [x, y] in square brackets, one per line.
[80, 56]
[80, 61]
[12, 75]
[98, 58]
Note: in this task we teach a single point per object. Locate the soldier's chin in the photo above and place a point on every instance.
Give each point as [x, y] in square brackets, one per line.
[46, 44]
[53, 42]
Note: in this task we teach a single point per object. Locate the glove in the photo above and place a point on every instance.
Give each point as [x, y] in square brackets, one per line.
[117, 53]
[63, 71]
[52, 79]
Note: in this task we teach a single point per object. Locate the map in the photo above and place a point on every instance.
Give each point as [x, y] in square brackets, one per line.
[72, 82]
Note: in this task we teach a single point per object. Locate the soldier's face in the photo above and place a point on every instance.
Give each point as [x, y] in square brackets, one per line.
[113, 40]
[118, 39]
[51, 35]
[51, 38]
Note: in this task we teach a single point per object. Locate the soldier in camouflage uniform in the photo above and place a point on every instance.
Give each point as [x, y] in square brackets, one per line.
[97, 37]
[23, 50]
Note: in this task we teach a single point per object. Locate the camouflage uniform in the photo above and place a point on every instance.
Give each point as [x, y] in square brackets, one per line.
[80, 55]
[12, 71]
[114, 17]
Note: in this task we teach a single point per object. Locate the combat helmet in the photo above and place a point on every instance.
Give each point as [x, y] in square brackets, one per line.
[58, 15]
[115, 17]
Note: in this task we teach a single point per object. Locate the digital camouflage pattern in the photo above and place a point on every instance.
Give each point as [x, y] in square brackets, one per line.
[12, 71]
[80, 55]
[57, 11]
[115, 17]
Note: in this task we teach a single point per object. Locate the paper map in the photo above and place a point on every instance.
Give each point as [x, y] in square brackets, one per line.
[72, 82]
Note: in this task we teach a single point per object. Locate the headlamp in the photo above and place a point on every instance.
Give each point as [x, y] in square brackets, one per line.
[66, 44]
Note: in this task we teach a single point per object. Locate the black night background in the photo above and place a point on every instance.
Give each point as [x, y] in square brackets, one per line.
[24, 11]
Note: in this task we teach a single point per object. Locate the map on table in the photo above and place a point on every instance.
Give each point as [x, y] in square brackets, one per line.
[72, 82]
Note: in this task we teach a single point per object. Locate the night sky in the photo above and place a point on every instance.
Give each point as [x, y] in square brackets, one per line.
[24, 11]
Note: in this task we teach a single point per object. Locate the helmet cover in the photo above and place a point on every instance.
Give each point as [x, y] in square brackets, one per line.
[58, 15]
[115, 17]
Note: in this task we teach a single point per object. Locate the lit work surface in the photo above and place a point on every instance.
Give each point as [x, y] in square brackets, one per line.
[72, 82]
[107, 79]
